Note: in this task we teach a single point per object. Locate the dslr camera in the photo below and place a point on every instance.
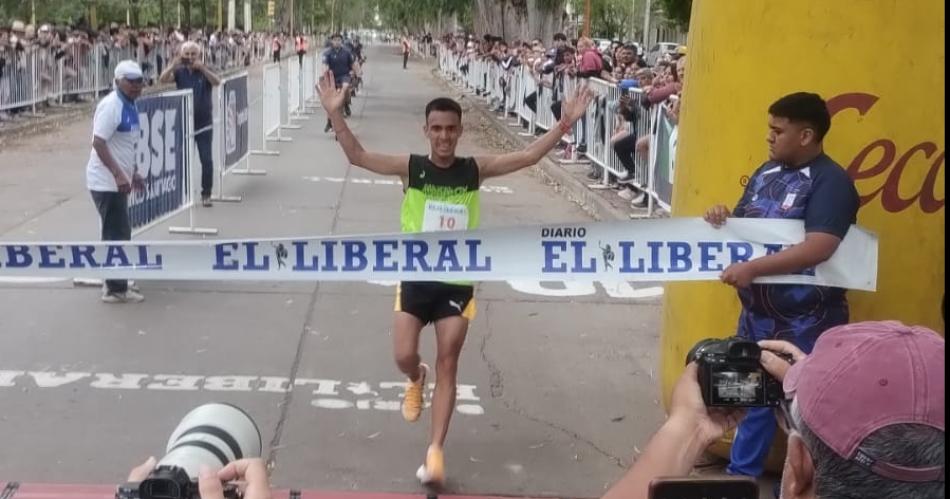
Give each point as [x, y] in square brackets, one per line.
[730, 374]
[211, 435]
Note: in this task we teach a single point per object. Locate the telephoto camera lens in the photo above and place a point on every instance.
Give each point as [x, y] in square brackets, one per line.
[212, 435]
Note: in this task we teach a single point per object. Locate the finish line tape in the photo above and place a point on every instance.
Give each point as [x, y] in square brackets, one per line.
[675, 249]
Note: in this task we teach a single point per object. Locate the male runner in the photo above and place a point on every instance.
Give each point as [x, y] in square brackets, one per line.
[442, 193]
[341, 64]
[356, 48]
[406, 50]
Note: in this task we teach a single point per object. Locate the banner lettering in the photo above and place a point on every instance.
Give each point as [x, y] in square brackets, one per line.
[678, 249]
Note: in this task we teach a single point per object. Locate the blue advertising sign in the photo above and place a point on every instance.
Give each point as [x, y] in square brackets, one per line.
[236, 130]
[161, 156]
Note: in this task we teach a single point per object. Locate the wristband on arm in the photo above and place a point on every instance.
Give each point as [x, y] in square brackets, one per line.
[565, 127]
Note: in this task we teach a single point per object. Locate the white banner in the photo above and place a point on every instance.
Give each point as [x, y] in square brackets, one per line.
[677, 249]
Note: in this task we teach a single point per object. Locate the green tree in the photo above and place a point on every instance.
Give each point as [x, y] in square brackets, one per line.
[416, 15]
[610, 18]
[677, 11]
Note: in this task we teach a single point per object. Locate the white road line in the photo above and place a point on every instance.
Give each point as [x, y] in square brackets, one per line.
[327, 393]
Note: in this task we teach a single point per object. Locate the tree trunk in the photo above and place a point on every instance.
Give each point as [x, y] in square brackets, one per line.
[134, 9]
[522, 19]
[186, 13]
[283, 15]
[204, 14]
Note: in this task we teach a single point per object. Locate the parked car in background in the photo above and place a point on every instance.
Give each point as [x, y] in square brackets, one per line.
[659, 50]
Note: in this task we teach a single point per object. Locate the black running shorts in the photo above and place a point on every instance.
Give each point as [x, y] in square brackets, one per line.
[431, 301]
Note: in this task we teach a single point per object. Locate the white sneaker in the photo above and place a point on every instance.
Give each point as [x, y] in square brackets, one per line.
[626, 194]
[432, 473]
[108, 297]
[640, 200]
[127, 297]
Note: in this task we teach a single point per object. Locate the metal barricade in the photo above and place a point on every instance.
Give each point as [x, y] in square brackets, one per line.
[485, 80]
[495, 91]
[78, 70]
[545, 117]
[594, 131]
[16, 86]
[44, 74]
[513, 91]
[475, 67]
[644, 126]
[471, 74]
[601, 119]
[308, 76]
[580, 131]
[530, 86]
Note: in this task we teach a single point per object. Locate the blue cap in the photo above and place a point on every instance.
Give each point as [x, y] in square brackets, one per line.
[628, 84]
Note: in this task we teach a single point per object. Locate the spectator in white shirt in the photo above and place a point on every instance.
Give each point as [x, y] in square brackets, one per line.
[111, 171]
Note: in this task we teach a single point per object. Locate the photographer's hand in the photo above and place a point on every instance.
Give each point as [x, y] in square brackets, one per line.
[674, 449]
[142, 471]
[252, 471]
[687, 406]
[775, 365]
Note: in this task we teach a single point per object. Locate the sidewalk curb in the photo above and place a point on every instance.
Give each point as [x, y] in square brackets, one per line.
[548, 170]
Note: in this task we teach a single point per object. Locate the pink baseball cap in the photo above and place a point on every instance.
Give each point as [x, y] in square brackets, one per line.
[865, 376]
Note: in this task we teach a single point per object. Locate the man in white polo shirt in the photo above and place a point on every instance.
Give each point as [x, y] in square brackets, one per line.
[111, 172]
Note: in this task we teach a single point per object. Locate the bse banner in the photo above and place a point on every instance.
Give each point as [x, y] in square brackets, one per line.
[161, 156]
[676, 249]
[666, 136]
[235, 120]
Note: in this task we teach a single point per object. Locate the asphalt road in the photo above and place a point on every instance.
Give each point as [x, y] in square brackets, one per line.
[558, 385]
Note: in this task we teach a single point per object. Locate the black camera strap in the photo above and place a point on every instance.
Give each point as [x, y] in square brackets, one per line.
[9, 490]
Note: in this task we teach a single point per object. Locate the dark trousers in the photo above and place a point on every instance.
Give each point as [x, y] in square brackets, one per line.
[203, 141]
[346, 103]
[531, 100]
[113, 208]
[405, 59]
[626, 148]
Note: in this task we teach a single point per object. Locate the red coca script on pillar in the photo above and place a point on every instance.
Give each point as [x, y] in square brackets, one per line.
[894, 170]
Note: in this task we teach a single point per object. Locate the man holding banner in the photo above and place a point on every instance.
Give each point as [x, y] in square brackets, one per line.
[111, 172]
[798, 182]
[188, 72]
[442, 193]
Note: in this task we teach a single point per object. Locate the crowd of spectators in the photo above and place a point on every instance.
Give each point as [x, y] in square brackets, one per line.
[58, 61]
[620, 64]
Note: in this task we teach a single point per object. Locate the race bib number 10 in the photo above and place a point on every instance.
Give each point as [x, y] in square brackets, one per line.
[444, 216]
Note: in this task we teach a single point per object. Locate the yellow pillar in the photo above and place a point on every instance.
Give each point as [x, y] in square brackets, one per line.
[880, 66]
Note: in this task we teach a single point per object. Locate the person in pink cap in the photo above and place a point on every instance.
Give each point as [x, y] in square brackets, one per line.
[864, 414]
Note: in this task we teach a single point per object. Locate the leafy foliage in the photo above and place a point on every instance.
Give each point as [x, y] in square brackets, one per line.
[610, 18]
[677, 11]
